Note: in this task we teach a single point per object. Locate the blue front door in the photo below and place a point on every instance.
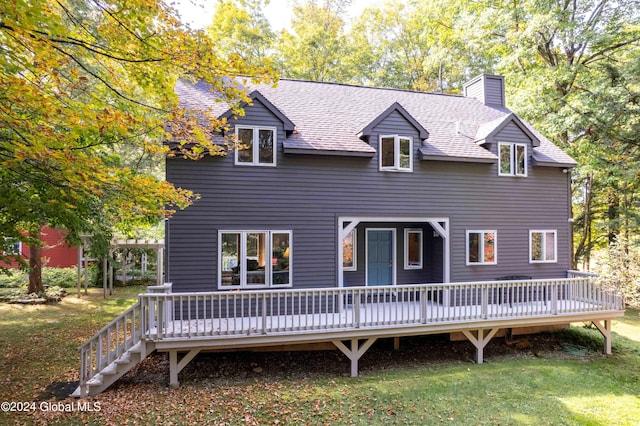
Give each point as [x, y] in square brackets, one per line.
[379, 257]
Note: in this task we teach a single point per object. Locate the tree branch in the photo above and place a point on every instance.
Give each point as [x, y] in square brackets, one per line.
[103, 81]
[597, 55]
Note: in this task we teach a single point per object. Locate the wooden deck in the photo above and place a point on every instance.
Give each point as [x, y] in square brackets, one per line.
[351, 318]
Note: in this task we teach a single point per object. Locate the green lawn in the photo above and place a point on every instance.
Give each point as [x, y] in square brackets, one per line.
[566, 382]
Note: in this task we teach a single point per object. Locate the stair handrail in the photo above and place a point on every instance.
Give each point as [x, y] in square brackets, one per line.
[120, 335]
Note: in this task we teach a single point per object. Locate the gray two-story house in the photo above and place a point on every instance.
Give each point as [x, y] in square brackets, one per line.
[338, 185]
[348, 214]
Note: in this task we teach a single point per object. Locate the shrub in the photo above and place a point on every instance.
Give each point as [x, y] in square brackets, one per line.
[54, 294]
[50, 295]
[620, 270]
[14, 279]
[51, 277]
[60, 277]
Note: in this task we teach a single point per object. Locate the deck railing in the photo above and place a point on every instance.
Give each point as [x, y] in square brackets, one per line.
[111, 342]
[117, 337]
[217, 314]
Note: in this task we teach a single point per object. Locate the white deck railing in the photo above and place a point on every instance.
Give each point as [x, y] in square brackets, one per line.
[111, 342]
[117, 337]
[162, 315]
[219, 314]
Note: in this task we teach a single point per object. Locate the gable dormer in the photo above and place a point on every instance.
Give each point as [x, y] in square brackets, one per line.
[257, 97]
[394, 131]
[258, 131]
[394, 109]
[509, 127]
[487, 88]
[511, 141]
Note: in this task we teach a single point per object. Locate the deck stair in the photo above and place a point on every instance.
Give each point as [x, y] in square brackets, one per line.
[112, 352]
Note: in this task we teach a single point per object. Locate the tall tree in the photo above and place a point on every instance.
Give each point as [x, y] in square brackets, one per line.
[79, 78]
[574, 67]
[316, 48]
[419, 45]
[240, 28]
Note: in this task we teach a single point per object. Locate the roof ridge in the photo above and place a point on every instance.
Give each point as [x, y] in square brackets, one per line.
[362, 86]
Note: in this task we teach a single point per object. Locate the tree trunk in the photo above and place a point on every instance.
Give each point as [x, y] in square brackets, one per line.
[613, 216]
[35, 264]
[583, 248]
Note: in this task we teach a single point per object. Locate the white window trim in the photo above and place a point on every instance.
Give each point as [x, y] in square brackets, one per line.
[396, 154]
[355, 253]
[481, 254]
[256, 146]
[418, 231]
[544, 245]
[243, 259]
[513, 159]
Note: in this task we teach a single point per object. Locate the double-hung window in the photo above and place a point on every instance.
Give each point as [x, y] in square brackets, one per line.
[543, 246]
[254, 259]
[513, 159]
[256, 146]
[481, 247]
[396, 153]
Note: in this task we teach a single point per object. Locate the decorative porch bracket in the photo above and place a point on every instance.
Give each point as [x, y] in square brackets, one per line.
[479, 340]
[176, 366]
[605, 328]
[355, 352]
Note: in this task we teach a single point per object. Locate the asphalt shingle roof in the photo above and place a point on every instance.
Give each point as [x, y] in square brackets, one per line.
[328, 117]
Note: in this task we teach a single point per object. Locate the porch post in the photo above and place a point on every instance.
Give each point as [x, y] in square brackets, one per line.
[355, 352]
[104, 277]
[86, 271]
[480, 342]
[173, 370]
[605, 329]
[111, 260]
[176, 366]
[79, 268]
[443, 231]
[343, 231]
[159, 265]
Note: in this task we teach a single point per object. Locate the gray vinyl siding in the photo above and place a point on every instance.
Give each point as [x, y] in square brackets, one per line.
[512, 133]
[494, 92]
[488, 89]
[307, 194]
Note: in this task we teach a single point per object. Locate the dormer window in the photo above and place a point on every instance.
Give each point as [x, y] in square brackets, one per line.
[513, 159]
[396, 153]
[256, 146]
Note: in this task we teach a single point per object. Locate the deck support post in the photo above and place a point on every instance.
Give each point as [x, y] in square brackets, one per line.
[176, 366]
[355, 352]
[605, 328]
[480, 341]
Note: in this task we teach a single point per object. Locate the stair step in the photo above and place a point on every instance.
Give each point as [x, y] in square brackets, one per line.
[124, 359]
[96, 380]
[138, 348]
[109, 370]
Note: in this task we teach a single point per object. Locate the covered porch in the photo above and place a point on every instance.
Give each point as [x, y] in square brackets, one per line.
[381, 251]
[352, 318]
